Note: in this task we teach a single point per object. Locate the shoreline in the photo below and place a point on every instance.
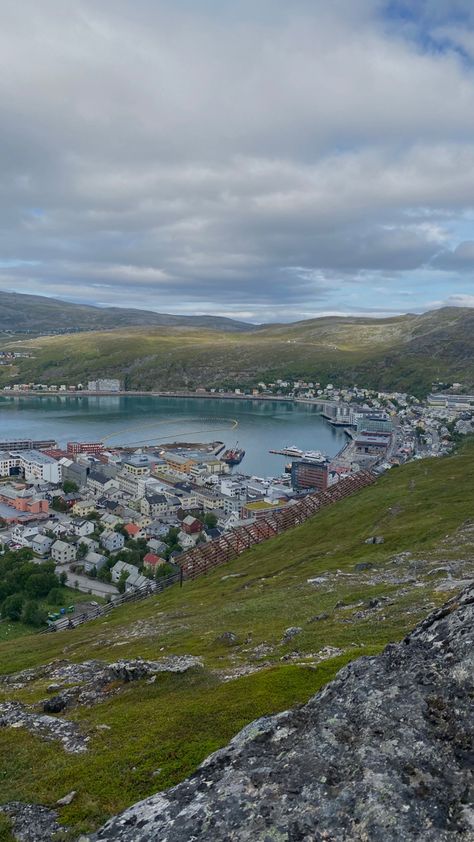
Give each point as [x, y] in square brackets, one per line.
[322, 403]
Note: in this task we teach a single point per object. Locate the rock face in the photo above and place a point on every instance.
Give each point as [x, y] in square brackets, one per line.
[383, 754]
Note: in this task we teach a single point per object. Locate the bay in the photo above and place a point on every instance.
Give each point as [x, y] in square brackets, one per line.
[257, 426]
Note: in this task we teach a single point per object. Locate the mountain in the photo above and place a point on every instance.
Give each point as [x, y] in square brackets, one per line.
[259, 635]
[406, 353]
[38, 314]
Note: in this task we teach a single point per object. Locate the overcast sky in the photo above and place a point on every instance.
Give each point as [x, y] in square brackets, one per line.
[264, 159]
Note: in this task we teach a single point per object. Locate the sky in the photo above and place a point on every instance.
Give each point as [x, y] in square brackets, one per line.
[261, 159]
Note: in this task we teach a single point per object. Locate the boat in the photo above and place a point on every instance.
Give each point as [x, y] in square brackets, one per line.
[233, 456]
[314, 456]
[292, 450]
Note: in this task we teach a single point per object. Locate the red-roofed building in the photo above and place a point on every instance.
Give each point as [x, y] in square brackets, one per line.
[152, 561]
[132, 530]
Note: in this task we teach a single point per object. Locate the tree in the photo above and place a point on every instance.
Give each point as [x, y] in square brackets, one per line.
[210, 520]
[55, 596]
[33, 614]
[59, 505]
[63, 578]
[40, 584]
[12, 607]
[82, 550]
[104, 574]
[69, 486]
[121, 582]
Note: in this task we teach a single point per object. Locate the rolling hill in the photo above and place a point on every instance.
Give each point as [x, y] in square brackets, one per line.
[38, 314]
[406, 353]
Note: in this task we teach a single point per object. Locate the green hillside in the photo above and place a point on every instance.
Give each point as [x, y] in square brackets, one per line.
[407, 353]
[361, 596]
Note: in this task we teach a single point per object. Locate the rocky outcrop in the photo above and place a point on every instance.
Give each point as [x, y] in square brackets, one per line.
[93, 681]
[32, 823]
[383, 754]
[16, 715]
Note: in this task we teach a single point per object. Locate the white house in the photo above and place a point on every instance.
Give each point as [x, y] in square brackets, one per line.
[62, 552]
[41, 544]
[92, 560]
[112, 541]
[83, 528]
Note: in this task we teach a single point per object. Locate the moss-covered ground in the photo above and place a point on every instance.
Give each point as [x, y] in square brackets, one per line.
[158, 733]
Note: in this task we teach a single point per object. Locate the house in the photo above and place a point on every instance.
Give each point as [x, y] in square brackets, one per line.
[132, 530]
[110, 520]
[154, 505]
[24, 535]
[157, 529]
[41, 544]
[152, 561]
[187, 541]
[112, 541]
[122, 567]
[62, 552]
[156, 546]
[136, 581]
[83, 528]
[93, 560]
[99, 483]
[191, 525]
[82, 508]
[91, 544]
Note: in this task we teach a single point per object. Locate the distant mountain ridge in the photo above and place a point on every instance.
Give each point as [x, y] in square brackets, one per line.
[38, 314]
[405, 353]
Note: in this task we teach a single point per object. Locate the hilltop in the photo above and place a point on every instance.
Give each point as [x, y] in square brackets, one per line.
[406, 353]
[38, 314]
[256, 636]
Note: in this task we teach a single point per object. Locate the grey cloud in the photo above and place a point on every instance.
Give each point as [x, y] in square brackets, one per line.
[187, 155]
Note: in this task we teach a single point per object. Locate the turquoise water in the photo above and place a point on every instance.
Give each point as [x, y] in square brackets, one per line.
[256, 425]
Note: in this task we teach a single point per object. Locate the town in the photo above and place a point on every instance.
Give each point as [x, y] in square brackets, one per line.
[112, 521]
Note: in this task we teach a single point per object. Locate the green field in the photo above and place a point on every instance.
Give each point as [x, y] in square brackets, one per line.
[160, 732]
[405, 353]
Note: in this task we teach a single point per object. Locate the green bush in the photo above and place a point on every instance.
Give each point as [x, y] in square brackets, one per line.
[12, 607]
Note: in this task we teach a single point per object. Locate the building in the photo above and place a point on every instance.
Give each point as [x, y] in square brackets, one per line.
[62, 552]
[82, 508]
[93, 561]
[112, 541]
[41, 545]
[28, 444]
[92, 447]
[99, 483]
[191, 525]
[38, 467]
[306, 474]
[154, 505]
[152, 561]
[9, 463]
[103, 385]
[83, 528]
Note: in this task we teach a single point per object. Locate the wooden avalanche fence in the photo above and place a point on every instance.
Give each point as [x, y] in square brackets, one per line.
[205, 557]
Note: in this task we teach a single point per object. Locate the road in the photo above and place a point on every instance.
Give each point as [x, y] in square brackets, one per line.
[86, 585]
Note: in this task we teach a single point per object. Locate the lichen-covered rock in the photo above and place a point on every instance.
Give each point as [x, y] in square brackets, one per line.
[33, 823]
[17, 715]
[383, 754]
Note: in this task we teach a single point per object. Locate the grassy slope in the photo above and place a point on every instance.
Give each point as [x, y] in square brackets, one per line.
[406, 352]
[160, 732]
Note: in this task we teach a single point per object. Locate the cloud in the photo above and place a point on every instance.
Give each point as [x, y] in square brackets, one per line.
[254, 158]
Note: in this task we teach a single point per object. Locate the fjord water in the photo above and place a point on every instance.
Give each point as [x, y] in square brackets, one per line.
[256, 425]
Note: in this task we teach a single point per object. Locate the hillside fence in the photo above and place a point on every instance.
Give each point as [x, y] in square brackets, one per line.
[205, 557]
